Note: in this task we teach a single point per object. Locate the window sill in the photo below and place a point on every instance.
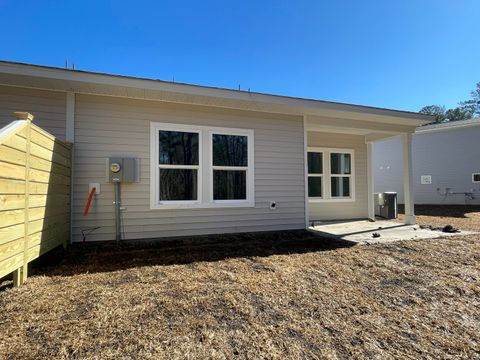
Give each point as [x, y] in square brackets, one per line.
[339, 200]
[226, 204]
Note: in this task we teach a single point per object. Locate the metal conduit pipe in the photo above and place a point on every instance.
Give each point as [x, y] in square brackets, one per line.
[118, 224]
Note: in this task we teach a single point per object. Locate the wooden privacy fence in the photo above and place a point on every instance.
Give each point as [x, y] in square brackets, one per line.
[34, 195]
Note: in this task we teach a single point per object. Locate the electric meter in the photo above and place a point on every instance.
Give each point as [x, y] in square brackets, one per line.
[115, 167]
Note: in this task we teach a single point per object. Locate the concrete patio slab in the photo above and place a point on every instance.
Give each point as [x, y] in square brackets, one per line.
[361, 231]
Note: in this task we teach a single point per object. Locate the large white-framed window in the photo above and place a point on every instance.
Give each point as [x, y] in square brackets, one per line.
[476, 178]
[201, 166]
[331, 175]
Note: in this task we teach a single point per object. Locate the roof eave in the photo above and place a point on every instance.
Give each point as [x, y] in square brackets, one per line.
[118, 85]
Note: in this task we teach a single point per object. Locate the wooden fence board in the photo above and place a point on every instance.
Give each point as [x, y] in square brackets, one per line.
[11, 264]
[45, 212]
[46, 154]
[11, 171]
[53, 232]
[9, 186]
[12, 217]
[37, 225]
[45, 189]
[12, 156]
[50, 144]
[37, 250]
[45, 165]
[12, 202]
[61, 200]
[16, 142]
[48, 177]
[11, 233]
[11, 248]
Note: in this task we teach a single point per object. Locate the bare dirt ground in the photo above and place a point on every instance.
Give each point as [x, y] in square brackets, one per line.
[286, 295]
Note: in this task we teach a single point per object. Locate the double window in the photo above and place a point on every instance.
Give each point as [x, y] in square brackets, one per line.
[331, 174]
[195, 166]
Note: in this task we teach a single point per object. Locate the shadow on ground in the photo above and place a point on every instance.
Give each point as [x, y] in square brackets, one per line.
[110, 256]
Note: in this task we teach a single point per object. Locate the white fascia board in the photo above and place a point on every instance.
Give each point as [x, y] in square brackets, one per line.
[454, 125]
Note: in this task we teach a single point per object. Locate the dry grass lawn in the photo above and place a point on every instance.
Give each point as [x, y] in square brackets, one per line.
[285, 296]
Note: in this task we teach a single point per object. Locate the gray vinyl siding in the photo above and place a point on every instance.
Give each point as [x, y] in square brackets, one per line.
[388, 166]
[107, 126]
[48, 108]
[449, 156]
[343, 210]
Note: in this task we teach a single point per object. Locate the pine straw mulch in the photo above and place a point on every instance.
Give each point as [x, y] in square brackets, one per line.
[279, 295]
[466, 217]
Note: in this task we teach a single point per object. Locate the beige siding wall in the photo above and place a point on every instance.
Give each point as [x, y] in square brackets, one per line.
[106, 126]
[48, 107]
[343, 210]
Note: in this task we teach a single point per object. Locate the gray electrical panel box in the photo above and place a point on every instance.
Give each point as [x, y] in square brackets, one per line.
[122, 169]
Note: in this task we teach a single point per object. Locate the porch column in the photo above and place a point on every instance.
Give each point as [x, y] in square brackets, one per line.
[408, 178]
[370, 181]
[305, 174]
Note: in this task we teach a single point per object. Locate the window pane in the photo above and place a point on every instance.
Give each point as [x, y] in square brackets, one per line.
[230, 150]
[476, 177]
[340, 163]
[229, 185]
[315, 163]
[178, 184]
[178, 148]
[340, 186]
[314, 186]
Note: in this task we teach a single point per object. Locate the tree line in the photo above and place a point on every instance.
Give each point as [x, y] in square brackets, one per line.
[467, 109]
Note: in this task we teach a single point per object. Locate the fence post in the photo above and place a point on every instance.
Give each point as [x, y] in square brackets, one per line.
[17, 277]
[20, 275]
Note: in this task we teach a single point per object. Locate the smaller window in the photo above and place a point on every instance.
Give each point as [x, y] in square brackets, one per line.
[315, 174]
[341, 171]
[476, 177]
[230, 166]
[178, 165]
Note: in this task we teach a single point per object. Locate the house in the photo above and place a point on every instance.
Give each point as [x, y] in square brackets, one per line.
[207, 160]
[446, 164]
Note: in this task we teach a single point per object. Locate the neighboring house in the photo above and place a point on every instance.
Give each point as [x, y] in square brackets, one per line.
[210, 160]
[446, 164]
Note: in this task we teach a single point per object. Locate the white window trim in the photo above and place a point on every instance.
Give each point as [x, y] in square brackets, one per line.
[205, 168]
[473, 177]
[326, 182]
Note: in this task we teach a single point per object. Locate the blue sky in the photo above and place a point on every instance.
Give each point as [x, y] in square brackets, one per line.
[389, 53]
